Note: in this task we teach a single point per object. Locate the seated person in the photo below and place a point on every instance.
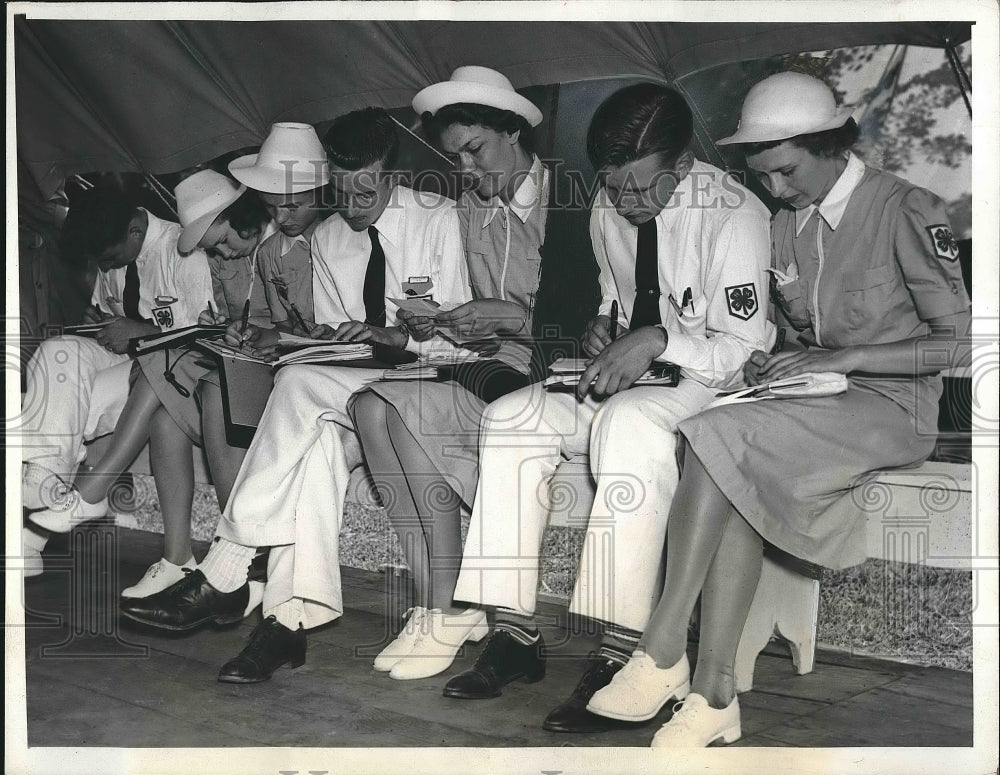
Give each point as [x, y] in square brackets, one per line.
[236, 230]
[866, 268]
[289, 494]
[421, 439]
[683, 252]
[144, 285]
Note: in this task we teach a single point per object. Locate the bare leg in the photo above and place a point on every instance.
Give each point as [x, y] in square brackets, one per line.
[131, 435]
[224, 460]
[380, 454]
[170, 457]
[439, 509]
[698, 518]
[725, 603]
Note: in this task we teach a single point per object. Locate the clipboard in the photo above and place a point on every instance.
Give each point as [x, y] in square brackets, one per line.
[247, 384]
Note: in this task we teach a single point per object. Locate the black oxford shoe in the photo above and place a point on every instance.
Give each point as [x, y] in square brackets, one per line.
[502, 660]
[270, 646]
[188, 604]
[572, 715]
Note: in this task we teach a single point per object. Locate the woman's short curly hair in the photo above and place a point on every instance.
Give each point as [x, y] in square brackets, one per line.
[472, 114]
[247, 215]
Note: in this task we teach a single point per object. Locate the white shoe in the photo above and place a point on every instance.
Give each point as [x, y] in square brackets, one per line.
[70, 511]
[697, 725]
[160, 575]
[40, 487]
[256, 597]
[403, 643]
[640, 689]
[32, 561]
[32, 544]
[439, 638]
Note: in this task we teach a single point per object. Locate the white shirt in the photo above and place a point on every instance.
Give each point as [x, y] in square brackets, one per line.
[713, 237]
[173, 289]
[420, 236]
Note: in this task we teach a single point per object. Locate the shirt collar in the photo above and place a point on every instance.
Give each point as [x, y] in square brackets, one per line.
[834, 203]
[286, 243]
[390, 223]
[154, 230]
[681, 199]
[525, 199]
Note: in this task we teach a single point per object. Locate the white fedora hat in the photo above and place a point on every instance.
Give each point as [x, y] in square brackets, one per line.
[785, 105]
[200, 199]
[479, 86]
[290, 161]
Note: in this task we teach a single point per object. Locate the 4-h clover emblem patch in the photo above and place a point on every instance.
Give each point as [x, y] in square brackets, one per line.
[742, 300]
[943, 242]
[163, 316]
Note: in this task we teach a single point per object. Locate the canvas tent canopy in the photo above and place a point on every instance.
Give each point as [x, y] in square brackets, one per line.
[160, 96]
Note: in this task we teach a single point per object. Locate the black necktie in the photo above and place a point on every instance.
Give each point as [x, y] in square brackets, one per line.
[374, 293]
[130, 295]
[646, 310]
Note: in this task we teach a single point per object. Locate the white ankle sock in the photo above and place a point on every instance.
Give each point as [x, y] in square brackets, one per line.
[225, 566]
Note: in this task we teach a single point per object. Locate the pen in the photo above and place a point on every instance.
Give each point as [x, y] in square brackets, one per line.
[211, 310]
[613, 332]
[686, 300]
[282, 288]
[779, 342]
[244, 320]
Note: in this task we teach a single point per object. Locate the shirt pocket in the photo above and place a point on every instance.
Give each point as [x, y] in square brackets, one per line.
[689, 320]
[792, 299]
[867, 295]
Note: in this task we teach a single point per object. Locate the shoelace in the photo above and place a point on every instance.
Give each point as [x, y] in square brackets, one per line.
[593, 672]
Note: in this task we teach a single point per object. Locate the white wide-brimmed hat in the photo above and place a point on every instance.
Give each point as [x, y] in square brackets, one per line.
[785, 105]
[290, 161]
[479, 86]
[200, 199]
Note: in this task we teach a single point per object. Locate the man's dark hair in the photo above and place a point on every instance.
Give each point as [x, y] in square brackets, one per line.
[247, 215]
[362, 138]
[97, 220]
[636, 122]
[472, 114]
[830, 143]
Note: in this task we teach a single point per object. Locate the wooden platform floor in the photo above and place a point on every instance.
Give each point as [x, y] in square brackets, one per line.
[149, 689]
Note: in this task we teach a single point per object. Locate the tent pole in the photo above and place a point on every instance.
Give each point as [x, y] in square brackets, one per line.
[419, 139]
[964, 84]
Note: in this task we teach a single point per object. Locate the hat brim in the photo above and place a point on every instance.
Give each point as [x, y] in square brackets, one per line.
[192, 233]
[273, 181]
[434, 97]
[769, 134]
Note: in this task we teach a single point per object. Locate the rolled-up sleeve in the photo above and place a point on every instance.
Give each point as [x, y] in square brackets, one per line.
[327, 303]
[605, 278]
[735, 298]
[449, 275]
[194, 287]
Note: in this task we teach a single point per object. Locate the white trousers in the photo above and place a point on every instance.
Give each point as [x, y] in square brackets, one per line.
[289, 493]
[632, 443]
[75, 392]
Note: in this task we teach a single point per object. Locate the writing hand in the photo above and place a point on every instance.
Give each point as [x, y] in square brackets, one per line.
[621, 363]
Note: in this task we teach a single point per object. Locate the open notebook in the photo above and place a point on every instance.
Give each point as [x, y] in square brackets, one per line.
[564, 374]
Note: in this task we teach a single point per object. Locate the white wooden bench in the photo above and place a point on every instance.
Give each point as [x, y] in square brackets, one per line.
[921, 515]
